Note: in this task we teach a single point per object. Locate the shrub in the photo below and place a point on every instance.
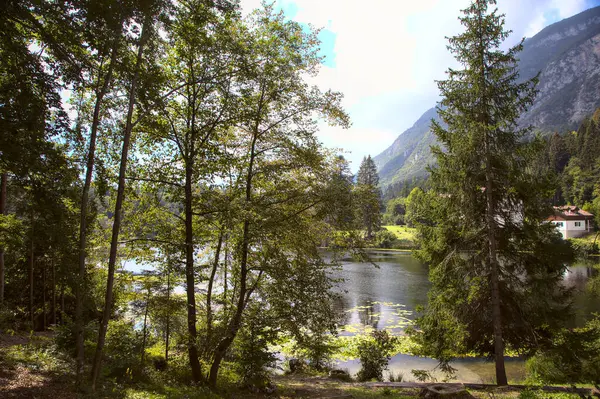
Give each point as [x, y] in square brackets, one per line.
[253, 356]
[396, 377]
[317, 348]
[573, 357]
[422, 375]
[374, 352]
[385, 239]
[122, 349]
[583, 248]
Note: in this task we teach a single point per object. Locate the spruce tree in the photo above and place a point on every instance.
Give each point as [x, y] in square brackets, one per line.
[495, 264]
[368, 196]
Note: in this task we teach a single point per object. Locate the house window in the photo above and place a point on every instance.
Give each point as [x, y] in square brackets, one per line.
[577, 224]
[559, 224]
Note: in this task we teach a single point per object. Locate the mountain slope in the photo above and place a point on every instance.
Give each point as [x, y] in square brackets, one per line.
[568, 55]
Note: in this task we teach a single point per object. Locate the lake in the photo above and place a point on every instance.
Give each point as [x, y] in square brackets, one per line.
[386, 297]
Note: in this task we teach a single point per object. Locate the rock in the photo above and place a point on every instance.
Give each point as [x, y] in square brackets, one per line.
[295, 365]
[270, 389]
[340, 375]
[444, 391]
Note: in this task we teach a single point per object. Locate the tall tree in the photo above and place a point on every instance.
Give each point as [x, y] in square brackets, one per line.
[368, 196]
[3, 186]
[277, 160]
[146, 17]
[104, 36]
[200, 66]
[495, 264]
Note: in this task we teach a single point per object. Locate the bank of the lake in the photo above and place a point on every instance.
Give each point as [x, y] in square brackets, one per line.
[386, 296]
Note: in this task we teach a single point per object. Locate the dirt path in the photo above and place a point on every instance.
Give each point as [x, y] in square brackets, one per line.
[21, 377]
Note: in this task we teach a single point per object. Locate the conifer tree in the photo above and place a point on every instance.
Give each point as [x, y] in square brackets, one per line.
[495, 264]
[368, 196]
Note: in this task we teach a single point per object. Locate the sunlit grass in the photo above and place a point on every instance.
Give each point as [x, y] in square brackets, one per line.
[403, 232]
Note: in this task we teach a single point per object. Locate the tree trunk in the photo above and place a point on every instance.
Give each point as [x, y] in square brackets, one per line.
[234, 325]
[80, 285]
[118, 208]
[44, 298]
[2, 212]
[494, 270]
[491, 208]
[143, 354]
[189, 277]
[31, 276]
[62, 304]
[167, 332]
[225, 266]
[209, 290]
[53, 294]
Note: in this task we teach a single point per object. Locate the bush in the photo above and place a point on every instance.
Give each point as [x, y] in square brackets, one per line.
[11, 320]
[122, 349]
[573, 357]
[317, 348]
[64, 338]
[253, 356]
[374, 352]
[584, 248]
[385, 239]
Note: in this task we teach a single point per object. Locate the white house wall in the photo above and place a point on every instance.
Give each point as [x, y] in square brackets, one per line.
[569, 228]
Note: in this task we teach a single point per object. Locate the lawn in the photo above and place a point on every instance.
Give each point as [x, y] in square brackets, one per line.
[402, 232]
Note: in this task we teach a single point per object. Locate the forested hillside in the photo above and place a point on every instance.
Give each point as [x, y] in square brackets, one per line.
[575, 158]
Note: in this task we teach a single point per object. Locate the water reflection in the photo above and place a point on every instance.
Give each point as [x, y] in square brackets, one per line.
[387, 296]
[382, 296]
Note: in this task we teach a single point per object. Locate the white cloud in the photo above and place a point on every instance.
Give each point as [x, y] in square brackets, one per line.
[389, 52]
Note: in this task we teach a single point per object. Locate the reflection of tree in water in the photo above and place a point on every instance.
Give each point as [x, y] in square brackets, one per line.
[369, 313]
[581, 278]
[341, 304]
[586, 297]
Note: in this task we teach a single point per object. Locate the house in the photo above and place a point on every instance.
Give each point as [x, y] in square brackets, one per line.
[571, 221]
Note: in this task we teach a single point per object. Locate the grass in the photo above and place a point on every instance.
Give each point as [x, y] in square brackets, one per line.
[403, 232]
[588, 238]
[37, 370]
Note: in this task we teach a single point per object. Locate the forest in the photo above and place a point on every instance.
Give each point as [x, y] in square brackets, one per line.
[179, 136]
[171, 224]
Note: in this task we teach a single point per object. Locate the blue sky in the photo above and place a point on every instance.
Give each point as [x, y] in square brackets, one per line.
[385, 56]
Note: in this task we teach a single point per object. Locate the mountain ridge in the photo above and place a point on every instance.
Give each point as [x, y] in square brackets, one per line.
[567, 55]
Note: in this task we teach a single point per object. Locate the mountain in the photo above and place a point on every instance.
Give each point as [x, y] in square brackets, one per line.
[567, 56]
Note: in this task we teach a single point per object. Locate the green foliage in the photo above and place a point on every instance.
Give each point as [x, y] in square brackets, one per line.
[574, 158]
[367, 197]
[122, 350]
[584, 247]
[395, 210]
[416, 205]
[422, 375]
[318, 349]
[374, 352]
[572, 357]
[495, 263]
[385, 239]
[253, 357]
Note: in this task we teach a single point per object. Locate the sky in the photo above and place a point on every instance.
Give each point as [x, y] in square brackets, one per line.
[385, 56]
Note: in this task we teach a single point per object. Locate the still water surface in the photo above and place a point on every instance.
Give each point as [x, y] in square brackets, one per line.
[386, 297]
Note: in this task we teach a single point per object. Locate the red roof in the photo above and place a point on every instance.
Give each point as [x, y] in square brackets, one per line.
[570, 212]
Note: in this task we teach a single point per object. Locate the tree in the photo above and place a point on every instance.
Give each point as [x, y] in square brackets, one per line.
[416, 204]
[147, 15]
[368, 197]
[495, 265]
[279, 168]
[105, 39]
[339, 191]
[183, 145]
